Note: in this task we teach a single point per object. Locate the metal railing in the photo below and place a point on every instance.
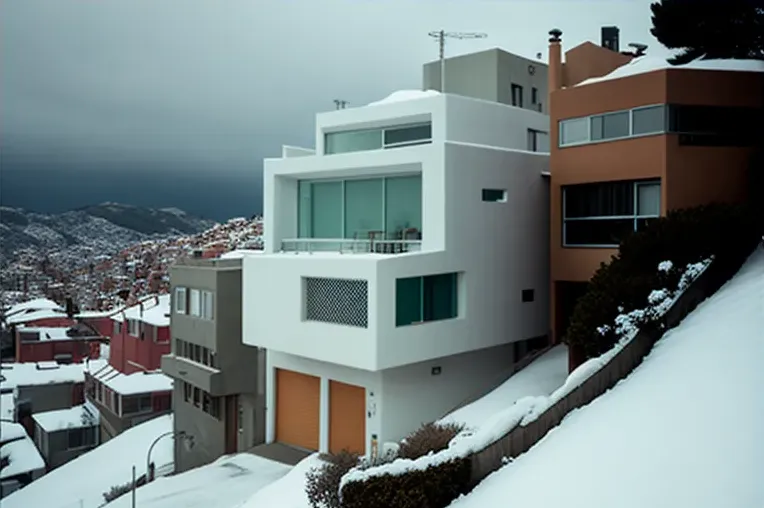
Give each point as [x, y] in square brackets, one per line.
[350, 246]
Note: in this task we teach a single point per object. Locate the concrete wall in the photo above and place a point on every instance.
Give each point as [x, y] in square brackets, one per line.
[47, 397]
[413, 394]
[510, 245]
[56, 449]
[208, 433]
[489, 75]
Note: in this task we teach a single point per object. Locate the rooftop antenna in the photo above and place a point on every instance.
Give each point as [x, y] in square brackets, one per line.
[340, 104]
[441, 36]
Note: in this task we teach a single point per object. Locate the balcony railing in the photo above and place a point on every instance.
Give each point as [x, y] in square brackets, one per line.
[350, 246]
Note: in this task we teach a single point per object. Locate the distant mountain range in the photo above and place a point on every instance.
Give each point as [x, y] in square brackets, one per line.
[91, 230]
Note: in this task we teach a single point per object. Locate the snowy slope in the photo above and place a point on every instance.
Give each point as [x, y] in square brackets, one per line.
[82, 482]
[685, 429]
[226, 483]
[545, 374]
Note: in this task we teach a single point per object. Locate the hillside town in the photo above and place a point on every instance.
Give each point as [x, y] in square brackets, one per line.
[102, 282]
[542, 291]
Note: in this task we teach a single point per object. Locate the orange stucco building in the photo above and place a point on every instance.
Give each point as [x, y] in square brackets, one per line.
[627, 147]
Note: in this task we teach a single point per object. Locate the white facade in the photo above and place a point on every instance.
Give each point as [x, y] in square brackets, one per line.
[498, 250]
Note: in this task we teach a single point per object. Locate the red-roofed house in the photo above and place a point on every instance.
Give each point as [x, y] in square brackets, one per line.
[131, 389]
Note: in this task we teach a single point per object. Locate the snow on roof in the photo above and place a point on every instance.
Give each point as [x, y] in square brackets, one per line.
[405, 95]
[650, 64]
[82, 482]
[22, 454]
[72, 418]
[7, 405]
[132, 384]
[701, 380]
[25, 317]
[94, 314]
[227, 482]
[286, 492]
[36, 304]
[52, 333]
[43, 373]
[156, 311]
[543, 376]
[241, 253]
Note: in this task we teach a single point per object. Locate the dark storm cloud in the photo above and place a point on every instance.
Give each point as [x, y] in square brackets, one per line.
[214, 86]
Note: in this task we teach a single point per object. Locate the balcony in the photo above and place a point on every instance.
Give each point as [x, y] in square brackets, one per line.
[377, 242]
[211, 380]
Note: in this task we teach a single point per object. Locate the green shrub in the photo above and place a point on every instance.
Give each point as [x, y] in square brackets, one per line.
[728, 232]
[434, 487]
[430, 437]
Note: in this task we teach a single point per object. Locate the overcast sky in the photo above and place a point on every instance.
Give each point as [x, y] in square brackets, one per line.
[215, 86]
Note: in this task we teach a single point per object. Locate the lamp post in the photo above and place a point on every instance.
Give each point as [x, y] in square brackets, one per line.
[182, 434]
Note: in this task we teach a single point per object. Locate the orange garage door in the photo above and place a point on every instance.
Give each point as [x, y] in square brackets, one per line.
[347, 417]
[298, 399]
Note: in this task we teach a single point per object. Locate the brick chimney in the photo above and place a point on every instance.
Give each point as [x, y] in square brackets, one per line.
[555, 60]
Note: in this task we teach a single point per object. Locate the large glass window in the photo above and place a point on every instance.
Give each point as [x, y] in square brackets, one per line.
[650, 120]
[375, 139]
[610, 126]
[326, 210]
[403, 203]
[363, 207]
[602, 214]
[352, 141]
[428, 298]
[352, 208]
[575, 130]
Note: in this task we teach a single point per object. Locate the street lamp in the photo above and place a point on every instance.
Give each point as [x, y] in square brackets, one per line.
[181, 434]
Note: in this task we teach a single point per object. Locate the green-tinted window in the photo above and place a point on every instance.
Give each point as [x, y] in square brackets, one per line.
[411, 134]
[403, 203]
[326, 212]
[363, 207]
[428, 298]
[408, 301]
[439, 297]
[352, 141]
[304, 209]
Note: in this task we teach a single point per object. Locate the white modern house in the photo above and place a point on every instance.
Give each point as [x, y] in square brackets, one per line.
[406, 259]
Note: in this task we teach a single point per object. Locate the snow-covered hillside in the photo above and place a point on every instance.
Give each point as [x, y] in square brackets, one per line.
[684, 429]
[82, 482]
[102, 229]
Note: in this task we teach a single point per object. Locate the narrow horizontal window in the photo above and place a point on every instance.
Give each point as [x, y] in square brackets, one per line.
[495, 195]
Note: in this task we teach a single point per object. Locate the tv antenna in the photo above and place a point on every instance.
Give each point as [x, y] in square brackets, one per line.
[440, 36]
[340, 104]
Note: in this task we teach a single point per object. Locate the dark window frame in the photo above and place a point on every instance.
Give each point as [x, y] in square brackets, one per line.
[597, 212]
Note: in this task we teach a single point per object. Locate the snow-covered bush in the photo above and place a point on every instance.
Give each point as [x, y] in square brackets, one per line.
[429, 438]
[621, 287]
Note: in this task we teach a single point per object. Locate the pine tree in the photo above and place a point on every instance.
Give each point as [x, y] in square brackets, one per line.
[710, 29]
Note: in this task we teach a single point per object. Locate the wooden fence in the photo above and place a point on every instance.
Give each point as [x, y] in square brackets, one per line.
[521, 438]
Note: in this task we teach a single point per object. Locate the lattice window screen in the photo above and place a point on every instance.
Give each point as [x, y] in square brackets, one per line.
[338, 301]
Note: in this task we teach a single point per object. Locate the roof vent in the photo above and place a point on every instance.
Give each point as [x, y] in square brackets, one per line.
[555, 34]
[639, 49]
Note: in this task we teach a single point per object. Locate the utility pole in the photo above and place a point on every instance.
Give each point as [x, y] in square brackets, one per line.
[132, 494]
[340, 104]
[440, 36]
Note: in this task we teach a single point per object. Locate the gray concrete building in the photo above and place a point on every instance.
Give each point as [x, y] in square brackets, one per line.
[219, 395]
[492, 75]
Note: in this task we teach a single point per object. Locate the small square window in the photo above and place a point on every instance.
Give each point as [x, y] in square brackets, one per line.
[495, 195]
[528, 295]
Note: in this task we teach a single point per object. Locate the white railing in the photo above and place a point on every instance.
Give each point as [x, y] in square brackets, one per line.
[350, 246]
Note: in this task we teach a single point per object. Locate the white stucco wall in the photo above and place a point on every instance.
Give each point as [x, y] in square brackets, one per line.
[412, 395]
[501, 248]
